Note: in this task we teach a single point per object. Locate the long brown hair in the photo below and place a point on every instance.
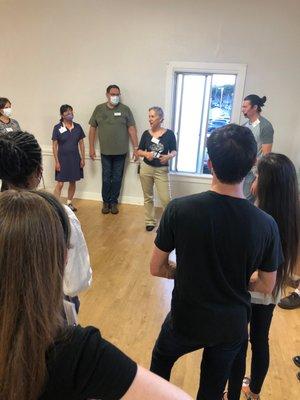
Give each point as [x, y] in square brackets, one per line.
[32, 259]
[278, 195]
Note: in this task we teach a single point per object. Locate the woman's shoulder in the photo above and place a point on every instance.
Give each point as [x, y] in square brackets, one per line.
[146, 134]
[76, 125]
[76, 337]
[170, 132]
[14, 121]
[83, 335]
[57, 126]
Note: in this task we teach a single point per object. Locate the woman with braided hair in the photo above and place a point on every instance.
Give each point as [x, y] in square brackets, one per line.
[21, 168]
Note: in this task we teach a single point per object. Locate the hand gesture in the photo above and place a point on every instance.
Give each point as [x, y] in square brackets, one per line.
[164, 158]
[149, 155]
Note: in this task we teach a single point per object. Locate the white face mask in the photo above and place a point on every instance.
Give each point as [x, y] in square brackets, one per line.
[115, 100]
[7, 111]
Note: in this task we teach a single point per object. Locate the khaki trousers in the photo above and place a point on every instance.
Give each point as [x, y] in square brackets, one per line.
[159, 177]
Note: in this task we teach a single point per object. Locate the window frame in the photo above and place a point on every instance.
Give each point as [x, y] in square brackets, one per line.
[177, 67]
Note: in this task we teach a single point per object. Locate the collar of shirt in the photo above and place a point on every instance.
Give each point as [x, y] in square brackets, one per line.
[69, 129]
[255, 123]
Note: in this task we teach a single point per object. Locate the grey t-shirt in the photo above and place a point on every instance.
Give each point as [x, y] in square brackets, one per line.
[112, 126]
[11, 126]
[263, 132]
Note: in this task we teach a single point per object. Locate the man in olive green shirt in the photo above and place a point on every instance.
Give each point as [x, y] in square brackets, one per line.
[114, 123]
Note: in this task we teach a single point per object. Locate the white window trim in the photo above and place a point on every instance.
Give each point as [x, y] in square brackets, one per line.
[217, 68]
[190, 178]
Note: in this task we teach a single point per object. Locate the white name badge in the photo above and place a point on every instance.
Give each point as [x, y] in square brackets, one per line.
[155, 140]
[117, 114]
[62, 129]
[9, 130]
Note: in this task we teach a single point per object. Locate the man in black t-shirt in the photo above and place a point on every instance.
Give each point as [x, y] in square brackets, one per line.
[220, 239]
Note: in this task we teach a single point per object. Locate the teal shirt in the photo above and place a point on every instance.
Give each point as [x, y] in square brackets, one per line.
[112, 126]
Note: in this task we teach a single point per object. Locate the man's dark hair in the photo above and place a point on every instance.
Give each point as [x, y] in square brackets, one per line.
[232, 151]
[112, 87]
[256, 101]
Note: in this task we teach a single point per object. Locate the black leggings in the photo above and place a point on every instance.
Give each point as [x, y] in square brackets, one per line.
[260, 323]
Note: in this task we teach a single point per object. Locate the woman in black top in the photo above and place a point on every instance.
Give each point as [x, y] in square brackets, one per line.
[157, 146]
[40, 358]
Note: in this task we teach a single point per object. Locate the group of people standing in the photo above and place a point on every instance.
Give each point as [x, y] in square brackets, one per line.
[225, 247]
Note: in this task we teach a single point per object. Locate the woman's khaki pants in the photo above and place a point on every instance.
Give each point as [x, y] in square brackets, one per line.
[159, 177]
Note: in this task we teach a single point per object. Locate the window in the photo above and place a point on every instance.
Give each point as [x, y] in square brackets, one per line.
[203, 97]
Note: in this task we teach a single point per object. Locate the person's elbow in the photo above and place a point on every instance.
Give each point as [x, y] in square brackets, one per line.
[268, 289]
[154, 269]
[269, 281]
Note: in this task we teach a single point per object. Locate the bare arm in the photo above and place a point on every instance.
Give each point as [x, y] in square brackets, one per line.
[134, 141]
[159, 265]
[148, 386]
[92, 137]
[266, 148]
[55, 154]
[82, 153]
[133, 136]
[263, 282]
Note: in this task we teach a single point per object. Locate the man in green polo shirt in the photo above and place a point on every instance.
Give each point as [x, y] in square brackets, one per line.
[114, 123]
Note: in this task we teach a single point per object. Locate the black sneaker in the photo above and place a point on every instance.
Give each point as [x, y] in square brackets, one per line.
[71, 207]
[105, 208]
[290, 302]
[297, 361]
[150, 228]
[114, 208]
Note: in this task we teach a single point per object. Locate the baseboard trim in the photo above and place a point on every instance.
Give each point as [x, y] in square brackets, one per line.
[97, 197]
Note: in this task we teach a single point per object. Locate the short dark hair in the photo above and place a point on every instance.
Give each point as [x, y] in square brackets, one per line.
[232, 151]
[256, 101]
[64, 108]
[3, 101]
[108, 89]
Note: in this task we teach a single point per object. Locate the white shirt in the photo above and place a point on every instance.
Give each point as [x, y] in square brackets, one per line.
[78, 271]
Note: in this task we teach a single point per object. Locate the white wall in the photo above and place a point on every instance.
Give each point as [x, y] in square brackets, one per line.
[68, 51]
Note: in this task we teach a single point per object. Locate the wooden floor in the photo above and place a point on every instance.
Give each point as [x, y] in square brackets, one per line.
[129, 305]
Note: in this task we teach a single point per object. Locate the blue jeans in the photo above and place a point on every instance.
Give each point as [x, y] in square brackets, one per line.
[216, 361]
[112, 175]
